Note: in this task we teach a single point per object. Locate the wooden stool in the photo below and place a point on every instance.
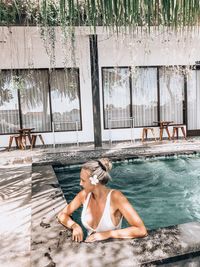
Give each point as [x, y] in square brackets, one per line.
[145, 133]
[34, 137]
[17, 141]
[175, 131]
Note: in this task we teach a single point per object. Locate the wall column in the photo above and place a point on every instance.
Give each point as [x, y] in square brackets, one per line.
[95, 90]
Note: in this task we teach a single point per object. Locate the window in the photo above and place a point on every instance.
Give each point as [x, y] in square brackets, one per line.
[116, 91]
[134, 93]
[144, 96]
[193, 99]
[65, 101]
[34, 99]
[9, 108]
[171, 94]
[24, 100]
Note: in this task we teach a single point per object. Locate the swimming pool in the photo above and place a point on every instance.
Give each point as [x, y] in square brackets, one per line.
[164, 191]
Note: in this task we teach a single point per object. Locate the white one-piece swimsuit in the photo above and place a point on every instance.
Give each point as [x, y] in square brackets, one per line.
[105, 223]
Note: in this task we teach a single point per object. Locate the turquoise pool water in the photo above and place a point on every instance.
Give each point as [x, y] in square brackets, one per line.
[164, 191]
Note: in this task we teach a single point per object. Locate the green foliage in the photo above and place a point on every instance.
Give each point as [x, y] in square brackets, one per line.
[115, 13]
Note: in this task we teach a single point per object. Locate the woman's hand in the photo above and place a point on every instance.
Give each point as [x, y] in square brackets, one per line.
[97, 237]
[77, 233]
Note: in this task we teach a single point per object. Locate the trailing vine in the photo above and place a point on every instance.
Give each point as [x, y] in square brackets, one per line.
[114, 13]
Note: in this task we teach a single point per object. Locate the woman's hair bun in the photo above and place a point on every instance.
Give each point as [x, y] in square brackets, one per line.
[106, 163]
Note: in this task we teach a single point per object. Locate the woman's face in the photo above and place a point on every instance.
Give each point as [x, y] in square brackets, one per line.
[85, 181]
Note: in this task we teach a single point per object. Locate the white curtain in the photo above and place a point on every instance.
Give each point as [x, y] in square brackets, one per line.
[9, 108]
[116, 91]
[34, 96]
[144, 96]
[193, 100]
[65, 99]
[171, 95]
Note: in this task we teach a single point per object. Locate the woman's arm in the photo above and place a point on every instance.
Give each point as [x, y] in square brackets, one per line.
[65, 219]
[136, 229]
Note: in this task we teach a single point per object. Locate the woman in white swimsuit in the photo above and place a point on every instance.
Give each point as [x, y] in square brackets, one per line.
[103, 208]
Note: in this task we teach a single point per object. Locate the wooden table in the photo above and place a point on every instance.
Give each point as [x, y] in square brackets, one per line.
[25, 132]
[164, 125]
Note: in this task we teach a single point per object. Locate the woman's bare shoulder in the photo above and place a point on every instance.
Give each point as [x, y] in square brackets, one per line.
[82, 195]
[117, 195]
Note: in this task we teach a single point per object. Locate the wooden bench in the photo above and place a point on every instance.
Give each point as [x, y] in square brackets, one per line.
[145, 133]
[176, 129]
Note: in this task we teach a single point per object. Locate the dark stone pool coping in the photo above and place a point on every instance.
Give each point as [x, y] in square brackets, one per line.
[76, 157]
[51, 242]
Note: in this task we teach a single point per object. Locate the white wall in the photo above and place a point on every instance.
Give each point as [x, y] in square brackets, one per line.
[159, 48]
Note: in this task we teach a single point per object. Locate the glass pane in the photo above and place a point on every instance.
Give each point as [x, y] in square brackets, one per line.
[34, 97]
[9, 108]
[193, 100]
[65, 99]
[144, 96]
[171, 94]
[116, 91]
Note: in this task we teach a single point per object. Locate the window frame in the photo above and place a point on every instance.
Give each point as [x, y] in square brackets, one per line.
[79, 95]
[103, 97]
[18, 100]
[17, 71]
[157, 67]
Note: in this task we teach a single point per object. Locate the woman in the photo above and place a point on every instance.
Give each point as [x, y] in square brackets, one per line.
[103, 208]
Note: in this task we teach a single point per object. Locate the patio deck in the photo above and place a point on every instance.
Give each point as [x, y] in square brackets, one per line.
[30, 200]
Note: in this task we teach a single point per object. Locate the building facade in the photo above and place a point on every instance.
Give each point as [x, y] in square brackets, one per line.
[100, 86]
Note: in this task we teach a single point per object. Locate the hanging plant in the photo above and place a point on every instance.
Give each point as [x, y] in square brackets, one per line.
[113, 13]
[48, 36]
